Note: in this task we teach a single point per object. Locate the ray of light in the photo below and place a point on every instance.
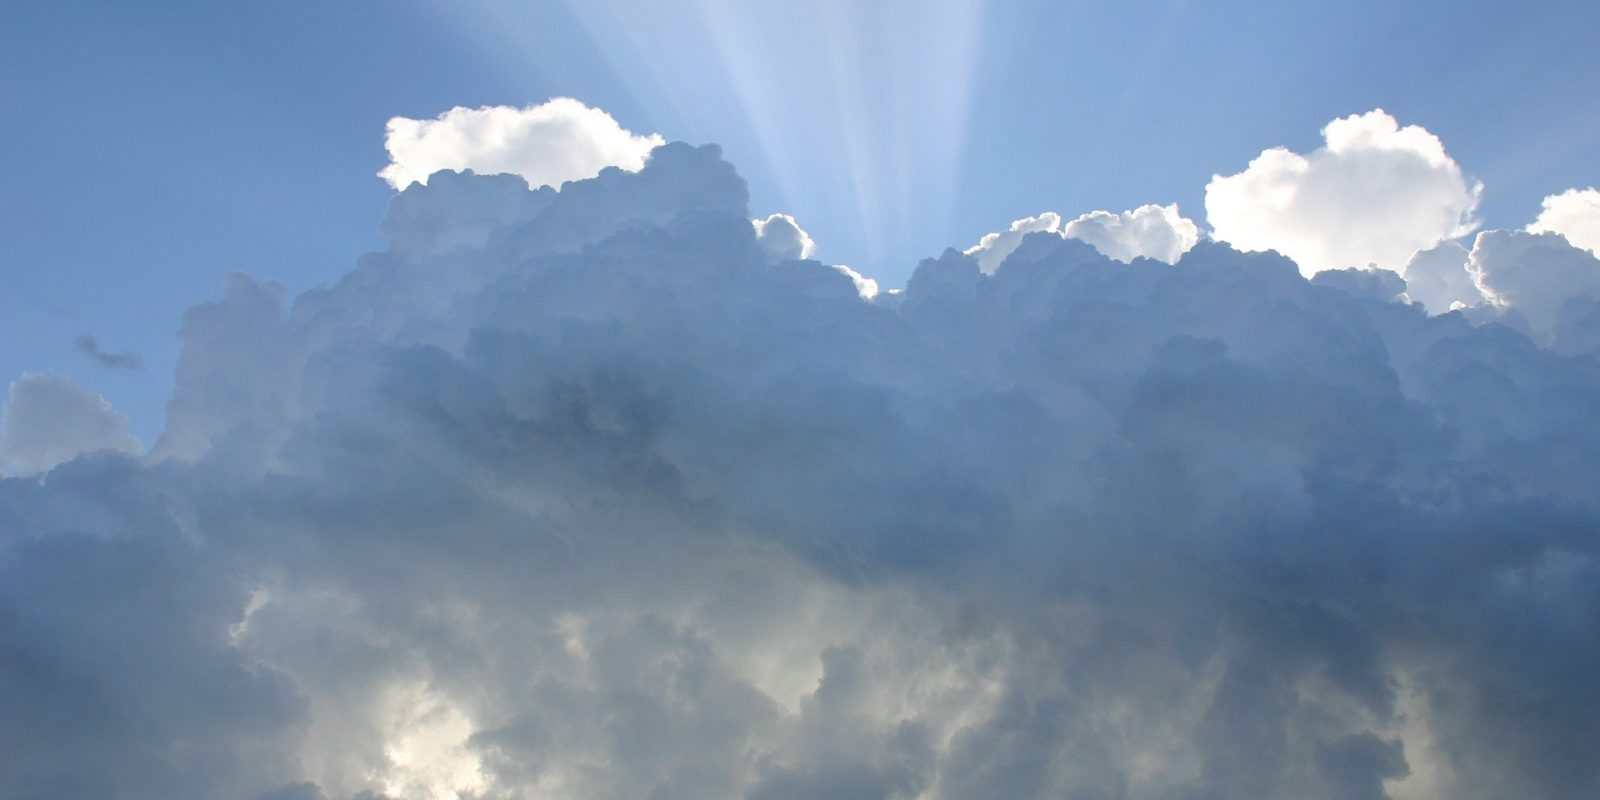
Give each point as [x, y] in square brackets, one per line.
[857, 110]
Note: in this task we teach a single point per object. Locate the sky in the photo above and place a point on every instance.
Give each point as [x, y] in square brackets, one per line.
[497, 401]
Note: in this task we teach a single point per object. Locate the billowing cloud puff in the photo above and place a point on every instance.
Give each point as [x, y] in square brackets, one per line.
[1149, 231]
[47, 420]
[1373, 193]
[547, 144]
[593, 498]
[992, 249]
[866, 287]
[1542, 275]
[1574, 214]
[1438, 278]
[782, 236]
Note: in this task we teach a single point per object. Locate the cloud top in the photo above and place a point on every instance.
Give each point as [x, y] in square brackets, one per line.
[547, 144]
[47, 420]
[782, 236]
[1149, 231]
[1575, 214]
[1374, 193]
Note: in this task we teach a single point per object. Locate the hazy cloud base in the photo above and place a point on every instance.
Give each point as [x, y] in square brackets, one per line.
[597, 494]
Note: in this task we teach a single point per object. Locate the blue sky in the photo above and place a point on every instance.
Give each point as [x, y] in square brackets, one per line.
[150, 149]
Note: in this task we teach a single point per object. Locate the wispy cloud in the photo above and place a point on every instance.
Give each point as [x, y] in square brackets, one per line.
[89, 347]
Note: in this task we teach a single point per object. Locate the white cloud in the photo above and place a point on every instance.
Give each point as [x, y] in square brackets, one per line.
[1574, 214]
[992, 249]
[782, 236]
[1438, 278]
[547, 144]
[1373, 193]
[48, 420]
[1149, 231]
[866, 287]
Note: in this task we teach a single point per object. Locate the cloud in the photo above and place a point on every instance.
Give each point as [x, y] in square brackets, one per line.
[48, 420]
[90, 348]
[1438, 278]
[866, 287]
[547, 144]
[583, 494]
[1541, 275]
[1575, 214]
[1149, 231]
[992, 249]
[782, 236]
[1374, 192]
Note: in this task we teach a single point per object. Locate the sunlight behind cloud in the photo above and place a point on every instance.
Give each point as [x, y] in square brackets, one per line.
[886, 149]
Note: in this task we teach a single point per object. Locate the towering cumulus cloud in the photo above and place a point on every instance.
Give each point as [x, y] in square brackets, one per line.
[1375, 192]
[587, 494]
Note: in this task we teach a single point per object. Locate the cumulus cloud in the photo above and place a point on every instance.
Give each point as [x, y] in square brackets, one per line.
[1541, 275]
[992, 249]
[1149, 231]
[1438, 278]
[547, 144]
[782, 236]
[866, 287]
[1575, 214]
[583, 494]
[48, 420]
[1374, 193]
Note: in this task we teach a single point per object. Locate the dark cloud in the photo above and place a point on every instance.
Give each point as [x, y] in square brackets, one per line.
[584, 494]
[90, 348]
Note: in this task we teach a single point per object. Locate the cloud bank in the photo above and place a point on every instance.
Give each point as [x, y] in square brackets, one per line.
[547, 144]
[1374, 193]
[585, 494]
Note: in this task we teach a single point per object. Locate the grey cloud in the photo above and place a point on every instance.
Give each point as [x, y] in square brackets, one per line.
[90, 348]
[1539, 274]
[1376, 284]
[584, 494]
[47, 419]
